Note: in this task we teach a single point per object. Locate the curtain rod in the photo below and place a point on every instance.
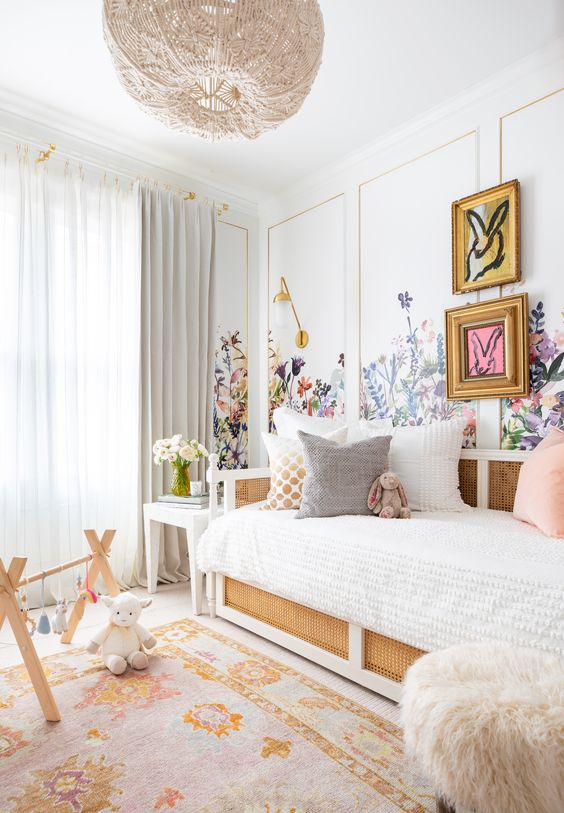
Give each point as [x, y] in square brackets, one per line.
[45, 155]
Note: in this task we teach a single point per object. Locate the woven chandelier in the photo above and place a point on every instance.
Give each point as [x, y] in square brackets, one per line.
[217, 69]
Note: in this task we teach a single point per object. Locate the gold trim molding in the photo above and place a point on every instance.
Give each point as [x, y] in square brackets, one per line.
[274, 226]
[512, 113]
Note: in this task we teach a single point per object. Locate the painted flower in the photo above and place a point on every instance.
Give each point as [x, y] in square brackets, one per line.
[213, 718]
[516, 404]
[546, 348]
[304, 384]
[405, 300]
[549, 401]
[253, 673]
[281, 370]
[297, 364]
[559, 338]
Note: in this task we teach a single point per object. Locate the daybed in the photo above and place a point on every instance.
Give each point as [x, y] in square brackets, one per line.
[366, 597]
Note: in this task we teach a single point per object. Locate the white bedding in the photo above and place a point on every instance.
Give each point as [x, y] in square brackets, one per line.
[431, 581]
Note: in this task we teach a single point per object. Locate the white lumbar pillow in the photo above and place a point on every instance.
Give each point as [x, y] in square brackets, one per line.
[376, 428]
[426, 458]
[288, 423]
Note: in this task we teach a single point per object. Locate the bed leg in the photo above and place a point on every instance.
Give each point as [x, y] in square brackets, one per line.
[211, 594]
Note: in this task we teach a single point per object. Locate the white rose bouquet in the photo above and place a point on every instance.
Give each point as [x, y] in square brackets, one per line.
[179, 452]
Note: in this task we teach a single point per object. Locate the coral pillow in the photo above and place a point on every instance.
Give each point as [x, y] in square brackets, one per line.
[539, 499]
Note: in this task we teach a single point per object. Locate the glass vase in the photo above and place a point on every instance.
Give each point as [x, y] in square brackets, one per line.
[180, 484]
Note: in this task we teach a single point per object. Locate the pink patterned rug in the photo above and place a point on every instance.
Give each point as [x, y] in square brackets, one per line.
[210, 727]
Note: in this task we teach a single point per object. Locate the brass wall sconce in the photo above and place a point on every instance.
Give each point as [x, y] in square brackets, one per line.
[283, 306]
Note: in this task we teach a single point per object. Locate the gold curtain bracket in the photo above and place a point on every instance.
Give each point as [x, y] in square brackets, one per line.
[44, 155]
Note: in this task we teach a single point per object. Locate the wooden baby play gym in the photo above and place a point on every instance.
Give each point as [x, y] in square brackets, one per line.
[11, 581]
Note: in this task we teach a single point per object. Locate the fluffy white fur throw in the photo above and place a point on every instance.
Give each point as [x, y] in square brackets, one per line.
[485, 723]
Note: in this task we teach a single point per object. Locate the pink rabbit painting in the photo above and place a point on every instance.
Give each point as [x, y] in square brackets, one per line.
[486, 250]
[485, 351]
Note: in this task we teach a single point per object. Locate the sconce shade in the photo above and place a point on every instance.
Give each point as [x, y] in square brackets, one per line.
[282, 312]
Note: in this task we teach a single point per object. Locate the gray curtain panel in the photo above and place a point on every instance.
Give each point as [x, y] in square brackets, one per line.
[177, 346]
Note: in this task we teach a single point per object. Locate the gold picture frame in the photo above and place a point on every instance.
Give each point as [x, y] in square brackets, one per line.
[486, 239]
[487, 349]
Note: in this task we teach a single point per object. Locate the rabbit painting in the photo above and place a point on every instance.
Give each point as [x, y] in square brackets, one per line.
[487, 249]
[485, 356]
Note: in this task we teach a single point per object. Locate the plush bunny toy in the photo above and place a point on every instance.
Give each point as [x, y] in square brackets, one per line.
[122, 640]
[387, 497]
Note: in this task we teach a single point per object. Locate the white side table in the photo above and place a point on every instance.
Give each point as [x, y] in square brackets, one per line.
[194, 522]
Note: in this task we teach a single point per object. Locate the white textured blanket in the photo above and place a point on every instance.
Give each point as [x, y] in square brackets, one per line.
[431, 581]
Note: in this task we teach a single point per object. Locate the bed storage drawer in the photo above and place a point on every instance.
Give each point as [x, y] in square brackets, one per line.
[316, 628]
[388, 657]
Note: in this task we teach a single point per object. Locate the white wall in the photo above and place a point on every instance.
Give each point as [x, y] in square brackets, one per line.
[394, 224]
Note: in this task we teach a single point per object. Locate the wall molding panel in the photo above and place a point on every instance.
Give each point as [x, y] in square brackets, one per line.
[311, 379]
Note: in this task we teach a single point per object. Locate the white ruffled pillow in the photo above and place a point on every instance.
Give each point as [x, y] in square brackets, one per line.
[426, 458]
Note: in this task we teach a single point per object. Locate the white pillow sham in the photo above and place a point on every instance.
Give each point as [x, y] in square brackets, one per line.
[288, 423]
[376, 428]
[426, 458]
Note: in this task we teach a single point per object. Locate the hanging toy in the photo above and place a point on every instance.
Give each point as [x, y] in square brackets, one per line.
[86, 594]
[43, 626]
[25, 613]
[59, 622]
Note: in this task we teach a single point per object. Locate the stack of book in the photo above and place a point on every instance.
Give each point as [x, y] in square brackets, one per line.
[195, 503]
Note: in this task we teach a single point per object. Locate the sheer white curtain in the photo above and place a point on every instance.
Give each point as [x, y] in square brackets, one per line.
[69, 362]
[177, 342]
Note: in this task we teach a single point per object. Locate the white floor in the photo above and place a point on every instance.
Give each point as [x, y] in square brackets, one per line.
[171, 603]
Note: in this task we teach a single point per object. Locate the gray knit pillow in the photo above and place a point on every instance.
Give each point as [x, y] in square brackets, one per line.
[338, 478]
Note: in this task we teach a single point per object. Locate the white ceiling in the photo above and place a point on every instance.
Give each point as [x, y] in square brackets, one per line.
[384, 63]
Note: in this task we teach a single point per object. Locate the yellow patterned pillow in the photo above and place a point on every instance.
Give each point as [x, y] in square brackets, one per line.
[287, 469]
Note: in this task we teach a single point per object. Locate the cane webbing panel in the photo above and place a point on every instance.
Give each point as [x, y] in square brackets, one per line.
[388, 657]
[503, 476]
[310, 625]
[468, 481]
[250, 491]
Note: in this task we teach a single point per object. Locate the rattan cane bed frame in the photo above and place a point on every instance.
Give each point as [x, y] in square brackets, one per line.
[488, 479]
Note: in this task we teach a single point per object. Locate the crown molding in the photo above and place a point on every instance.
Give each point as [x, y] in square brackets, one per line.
[542, 59]
[22, 119]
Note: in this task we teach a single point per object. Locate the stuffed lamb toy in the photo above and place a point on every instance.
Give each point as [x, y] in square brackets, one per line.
[387, 499]
[123, 639]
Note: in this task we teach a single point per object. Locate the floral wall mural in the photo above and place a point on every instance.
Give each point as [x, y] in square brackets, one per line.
[230, 405]
[407, 382]
[289, 383]
[525, 421]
